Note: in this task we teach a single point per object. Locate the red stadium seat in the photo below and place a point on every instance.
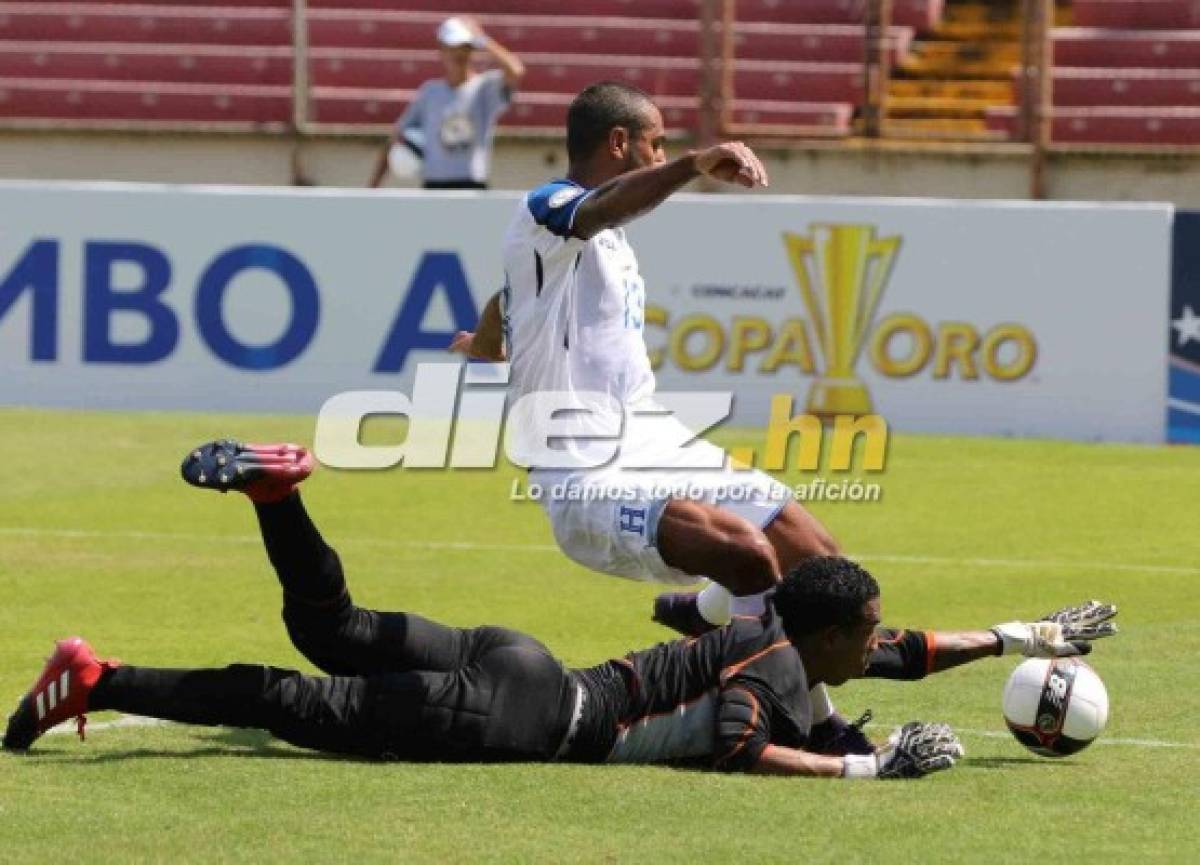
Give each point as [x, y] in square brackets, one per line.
[1083, 46]
[821, 43]
[797, 62]
[549, 111]
[1130, 87]
[116, 100]
[126, 62]
[1113, 125]
[913, 13]
[1145, 14]
[808, 82]
[78, 22]
[921, 14]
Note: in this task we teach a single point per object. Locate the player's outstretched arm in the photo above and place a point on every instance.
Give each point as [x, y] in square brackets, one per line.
[487, 342]
[901, 654]
[913, 751]
[634, 193]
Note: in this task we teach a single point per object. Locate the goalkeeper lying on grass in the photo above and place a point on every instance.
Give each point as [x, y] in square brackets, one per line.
[399, 686]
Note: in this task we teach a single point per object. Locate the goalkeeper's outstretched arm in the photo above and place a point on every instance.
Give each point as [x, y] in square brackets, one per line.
[906, 654]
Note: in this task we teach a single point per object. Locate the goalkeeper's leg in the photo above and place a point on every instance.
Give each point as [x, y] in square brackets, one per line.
[324, 623]
[326, 714]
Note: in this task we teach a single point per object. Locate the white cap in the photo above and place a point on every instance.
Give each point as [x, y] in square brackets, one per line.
[453, 32]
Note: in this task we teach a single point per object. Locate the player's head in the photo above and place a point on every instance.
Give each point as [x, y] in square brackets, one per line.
[614, 128]
[830, 610]
[457, 42]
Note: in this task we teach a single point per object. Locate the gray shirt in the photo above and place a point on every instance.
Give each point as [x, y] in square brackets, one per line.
[453, 126]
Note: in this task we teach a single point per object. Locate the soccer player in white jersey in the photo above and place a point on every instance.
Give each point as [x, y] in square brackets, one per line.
[570, 320]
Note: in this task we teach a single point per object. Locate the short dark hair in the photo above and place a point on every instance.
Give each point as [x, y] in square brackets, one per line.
[600, 107]
[823, 591]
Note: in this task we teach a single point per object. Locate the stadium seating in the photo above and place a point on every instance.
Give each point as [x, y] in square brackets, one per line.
[912, 13]
[1149, 49]
[798, 63]
[1138, 14]
[90, 100]
[1129, 74]
[1113, 124]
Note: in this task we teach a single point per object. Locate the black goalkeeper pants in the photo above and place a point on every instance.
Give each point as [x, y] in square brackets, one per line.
[399, 686]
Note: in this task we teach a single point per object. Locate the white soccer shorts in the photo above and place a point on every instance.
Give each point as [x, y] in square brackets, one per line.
[607, 518]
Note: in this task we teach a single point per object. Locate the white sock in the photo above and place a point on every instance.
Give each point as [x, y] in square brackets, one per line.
[713, 602]
[822, 706]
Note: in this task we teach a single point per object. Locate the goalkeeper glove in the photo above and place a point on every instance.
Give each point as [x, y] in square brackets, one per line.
[1060, 634]
[912, 751]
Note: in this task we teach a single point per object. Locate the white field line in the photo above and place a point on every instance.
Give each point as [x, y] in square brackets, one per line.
[1103, 740]
[140, 721]
[955, 561]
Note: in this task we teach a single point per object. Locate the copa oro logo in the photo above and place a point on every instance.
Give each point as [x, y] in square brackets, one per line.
[842, 273]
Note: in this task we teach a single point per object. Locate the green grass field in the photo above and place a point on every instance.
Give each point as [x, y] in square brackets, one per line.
[98, 536]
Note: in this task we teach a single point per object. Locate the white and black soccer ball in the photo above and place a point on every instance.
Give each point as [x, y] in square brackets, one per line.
[1055, 707]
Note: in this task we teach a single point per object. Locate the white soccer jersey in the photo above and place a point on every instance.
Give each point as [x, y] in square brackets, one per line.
[574, 310]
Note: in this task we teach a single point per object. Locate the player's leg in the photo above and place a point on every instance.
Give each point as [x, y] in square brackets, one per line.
[705, 540]
[324, 624]
[793, 534]
[329, 714]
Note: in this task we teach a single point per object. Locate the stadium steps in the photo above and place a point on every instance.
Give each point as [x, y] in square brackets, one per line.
[953, 74]
[942, 128]
[949, 108]
[995, 91]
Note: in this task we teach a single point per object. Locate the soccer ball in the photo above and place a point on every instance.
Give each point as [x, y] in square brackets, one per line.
[1055, 707]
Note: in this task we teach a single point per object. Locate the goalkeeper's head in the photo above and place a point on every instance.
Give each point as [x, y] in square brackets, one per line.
[830, 611]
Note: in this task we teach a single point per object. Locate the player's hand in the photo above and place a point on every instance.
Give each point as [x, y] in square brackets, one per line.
[475, 27]
[1087, 621]
[732, 162]
[912, 751]
[463, 343]
[1061, 634]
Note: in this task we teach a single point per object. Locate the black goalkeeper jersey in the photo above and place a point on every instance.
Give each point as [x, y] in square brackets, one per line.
[723, 697]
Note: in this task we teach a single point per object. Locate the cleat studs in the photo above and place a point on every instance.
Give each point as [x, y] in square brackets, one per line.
[241, 470]
[196, 455]
[224, 478]
[221, 459]
[202, 478]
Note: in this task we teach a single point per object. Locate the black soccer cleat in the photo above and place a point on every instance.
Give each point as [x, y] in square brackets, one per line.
[680, 611]
[265, 473]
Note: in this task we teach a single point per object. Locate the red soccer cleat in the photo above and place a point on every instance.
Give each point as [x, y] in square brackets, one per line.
[59, 694]
[265, 473]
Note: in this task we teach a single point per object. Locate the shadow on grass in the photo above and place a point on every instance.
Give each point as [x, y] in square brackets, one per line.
[219, 743]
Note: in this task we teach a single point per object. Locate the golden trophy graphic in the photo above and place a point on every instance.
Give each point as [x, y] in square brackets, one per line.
[842, 270]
